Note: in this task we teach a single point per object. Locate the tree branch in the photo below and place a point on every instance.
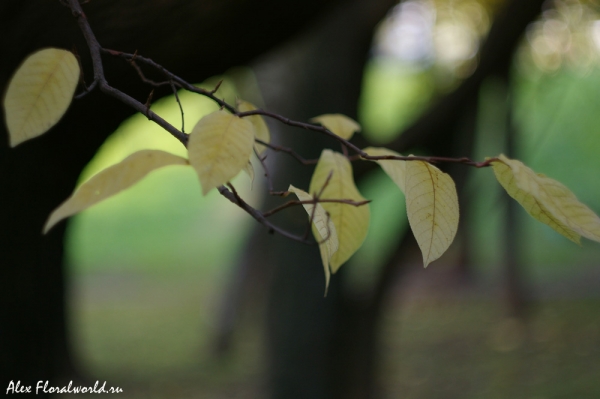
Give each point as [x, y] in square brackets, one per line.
[100, 79]
[176, 82]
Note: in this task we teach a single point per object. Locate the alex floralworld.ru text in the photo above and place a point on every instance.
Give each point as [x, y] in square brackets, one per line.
[43, 387]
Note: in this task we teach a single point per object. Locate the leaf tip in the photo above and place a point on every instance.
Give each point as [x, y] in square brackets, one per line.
[50, 223]
[12, 142]
[205, 189]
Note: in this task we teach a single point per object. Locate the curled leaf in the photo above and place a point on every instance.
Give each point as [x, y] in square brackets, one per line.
[432, 208]
[351, 222]
[339, 124]
[395, 169]
[261, 130]
[111, 181]
[39, 93]
[219, 148]
[547, 200]
[323, 230]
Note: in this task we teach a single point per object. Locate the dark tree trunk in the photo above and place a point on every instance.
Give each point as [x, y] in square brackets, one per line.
[194, 39]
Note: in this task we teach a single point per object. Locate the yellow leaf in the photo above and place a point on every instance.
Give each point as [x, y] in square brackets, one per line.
[219, 148]
[506, 177]
[431, 201]
[261, 130]
[567, 208]
[395, 169]
[323, 230]
[351, 222]
[339, 124]
[39, 93]
[432, 208]
[111, 181]
[547, 200]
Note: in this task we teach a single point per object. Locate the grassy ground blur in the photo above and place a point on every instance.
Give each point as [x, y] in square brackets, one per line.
[153, 336]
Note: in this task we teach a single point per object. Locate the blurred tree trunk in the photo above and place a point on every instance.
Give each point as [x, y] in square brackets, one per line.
[517, 290]
[310, 352]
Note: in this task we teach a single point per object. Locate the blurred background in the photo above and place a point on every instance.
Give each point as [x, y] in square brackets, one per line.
[163, 303]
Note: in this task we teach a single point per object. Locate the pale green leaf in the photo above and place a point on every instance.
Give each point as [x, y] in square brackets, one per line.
[351, 222]
[547, 200]
[249, 170]
[432, 208]
[536, 209]
[323, 230]
[339, 124]
[395, 169]
[261, 130]
[39, 93]
[219, 148]
[111, 181]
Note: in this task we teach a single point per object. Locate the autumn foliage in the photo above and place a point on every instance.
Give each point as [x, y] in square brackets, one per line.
[222, 144]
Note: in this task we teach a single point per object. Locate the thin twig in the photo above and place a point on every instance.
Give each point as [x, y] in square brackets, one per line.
[311, 218]
[86, 90]
[265, 169]
[345, 150]
[213, 91]
[314, 201]
[325, 184]
[268, 177]
[144, 78]
[237, 200]
[287, 121]
[360, 153]
[95, 54]
[176, 79]
[149, 101]
[317, 197]
[326, 238]
[432, 160]
[180, 105]
[289, 151]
